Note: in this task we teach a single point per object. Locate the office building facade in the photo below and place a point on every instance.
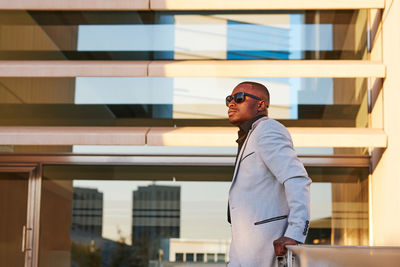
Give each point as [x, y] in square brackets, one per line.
[114, 95]
[87, 212]
[155, 216]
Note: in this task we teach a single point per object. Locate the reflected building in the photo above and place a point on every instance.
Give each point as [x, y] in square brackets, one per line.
[155, 216]
[87, 212]
[210, 252]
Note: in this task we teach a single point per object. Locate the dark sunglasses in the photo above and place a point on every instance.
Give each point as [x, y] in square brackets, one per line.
[239, 98]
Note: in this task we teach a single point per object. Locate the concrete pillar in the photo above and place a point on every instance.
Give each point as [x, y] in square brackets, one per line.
[385, 178]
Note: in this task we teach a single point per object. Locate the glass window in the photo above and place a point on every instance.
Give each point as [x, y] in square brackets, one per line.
[179, 257]
[221, 257]
[339, 206]
[210, 257]
[115, 217]
[189, 257]
[111, 223]
[234, 35]
[199, 257]
[144, 101]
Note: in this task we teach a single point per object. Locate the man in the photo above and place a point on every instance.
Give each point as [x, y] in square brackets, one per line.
[269, 197]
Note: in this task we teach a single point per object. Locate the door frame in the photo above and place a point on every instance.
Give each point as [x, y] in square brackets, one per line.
[30, 233]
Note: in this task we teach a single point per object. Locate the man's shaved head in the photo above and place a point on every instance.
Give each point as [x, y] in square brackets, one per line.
[260, 88]
[253, 104]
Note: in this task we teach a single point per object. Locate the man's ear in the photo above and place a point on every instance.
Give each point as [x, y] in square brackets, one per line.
[261, 106]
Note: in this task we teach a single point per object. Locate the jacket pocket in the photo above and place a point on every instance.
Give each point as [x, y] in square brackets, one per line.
[247, 156]
[271, 220]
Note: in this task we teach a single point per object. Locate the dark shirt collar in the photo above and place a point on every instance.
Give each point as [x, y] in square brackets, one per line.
[244, 130]
[245, 127]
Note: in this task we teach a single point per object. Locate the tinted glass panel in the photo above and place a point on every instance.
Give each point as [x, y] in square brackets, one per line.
[200, 257]
[210, 257]
[189, 257]
[140, 215]
[108, 101]
[198, 35]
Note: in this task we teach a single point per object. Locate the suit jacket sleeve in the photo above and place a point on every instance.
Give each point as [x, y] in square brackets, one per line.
[277, 152]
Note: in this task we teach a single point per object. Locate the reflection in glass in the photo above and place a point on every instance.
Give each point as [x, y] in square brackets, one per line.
[155, 216]
[210, 257]
[110, 215]
[339, 206]
[179, 257]
[87, 212]
[108, 101]
[140, 35]
[131, 223]
[200, 257]
[343, 214]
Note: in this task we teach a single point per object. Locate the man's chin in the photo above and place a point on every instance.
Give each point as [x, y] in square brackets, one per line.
[233, 121]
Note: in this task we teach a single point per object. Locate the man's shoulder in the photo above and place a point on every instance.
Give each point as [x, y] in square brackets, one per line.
[268, 123]
[270, 127]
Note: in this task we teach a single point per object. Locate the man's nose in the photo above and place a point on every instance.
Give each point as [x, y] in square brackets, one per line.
[232, 103]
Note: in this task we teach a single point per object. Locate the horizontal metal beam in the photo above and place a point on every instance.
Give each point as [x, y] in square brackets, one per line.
[161, 160]
[338, 137]
[264, 4]
[20, 135]
[267, 68]
[75, 4]
[302, 137]
[190, 68]
[189, 4]
[192, 136]
[182, 136]
[71, 68]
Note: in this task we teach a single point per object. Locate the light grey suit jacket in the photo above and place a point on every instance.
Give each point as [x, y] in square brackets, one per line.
[269, 195]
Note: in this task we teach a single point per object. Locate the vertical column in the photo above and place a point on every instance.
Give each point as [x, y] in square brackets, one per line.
[385, 181]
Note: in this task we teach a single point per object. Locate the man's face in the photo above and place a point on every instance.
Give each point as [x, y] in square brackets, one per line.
[242, 112]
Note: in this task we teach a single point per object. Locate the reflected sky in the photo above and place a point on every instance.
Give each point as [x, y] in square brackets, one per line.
[286, 93]
[206, 37]
[253, 35]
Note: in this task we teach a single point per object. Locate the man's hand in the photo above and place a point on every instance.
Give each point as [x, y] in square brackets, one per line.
[280, 243]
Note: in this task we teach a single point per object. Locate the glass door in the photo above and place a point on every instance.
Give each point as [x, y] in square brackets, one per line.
[17, 201]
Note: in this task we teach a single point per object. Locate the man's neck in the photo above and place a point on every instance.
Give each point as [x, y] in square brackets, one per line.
[248, 124]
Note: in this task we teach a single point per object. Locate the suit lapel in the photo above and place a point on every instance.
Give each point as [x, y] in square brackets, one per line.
[240, 156]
